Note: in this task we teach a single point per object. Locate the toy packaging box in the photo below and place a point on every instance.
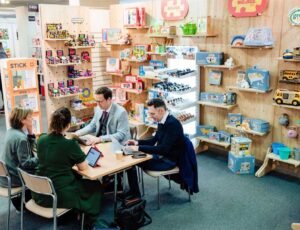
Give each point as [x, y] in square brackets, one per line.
[210, 58]
[259, 125]
[228, 98]
[241, 146]
[112, 64]
[111, 34]
[258, 78]
[224, 136]
[241, 164]
[215, 77]
[234, 119]
[259, 37]
[204, 130]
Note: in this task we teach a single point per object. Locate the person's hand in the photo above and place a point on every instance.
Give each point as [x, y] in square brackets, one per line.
[131, 142]
[133, 148]
[29, 128]
[93, 140]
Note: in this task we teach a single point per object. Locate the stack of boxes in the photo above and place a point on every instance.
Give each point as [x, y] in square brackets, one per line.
[240, 158]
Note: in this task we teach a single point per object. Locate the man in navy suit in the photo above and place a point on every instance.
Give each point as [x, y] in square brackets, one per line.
[165, 147]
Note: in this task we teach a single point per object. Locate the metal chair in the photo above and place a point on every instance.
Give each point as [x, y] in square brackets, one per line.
[8, 191]
[44, 186]
[158, 174]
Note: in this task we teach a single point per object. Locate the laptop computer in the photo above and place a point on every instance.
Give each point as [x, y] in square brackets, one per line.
[117, 146]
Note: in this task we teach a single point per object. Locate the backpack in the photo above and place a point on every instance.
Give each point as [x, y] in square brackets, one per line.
[131, 214]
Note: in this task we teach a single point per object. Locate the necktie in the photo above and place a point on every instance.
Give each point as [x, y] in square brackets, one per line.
[102, 122]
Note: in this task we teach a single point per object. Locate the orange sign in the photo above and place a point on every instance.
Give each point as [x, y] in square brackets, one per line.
[22, 64]
[246, 8]
[174, 10]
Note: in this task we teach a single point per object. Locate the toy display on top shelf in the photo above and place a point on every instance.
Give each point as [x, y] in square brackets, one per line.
[55, 31]
[256, 38]
[135, 17]
[200, 28]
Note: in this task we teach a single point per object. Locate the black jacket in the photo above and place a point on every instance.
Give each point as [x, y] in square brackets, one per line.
[169, 140]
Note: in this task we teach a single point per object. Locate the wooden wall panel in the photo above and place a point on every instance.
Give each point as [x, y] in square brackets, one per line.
[226, 26]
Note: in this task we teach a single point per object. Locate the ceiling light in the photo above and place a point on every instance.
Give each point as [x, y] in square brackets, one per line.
[4, 1]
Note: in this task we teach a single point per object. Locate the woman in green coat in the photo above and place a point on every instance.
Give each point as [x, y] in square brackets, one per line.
[57, 155]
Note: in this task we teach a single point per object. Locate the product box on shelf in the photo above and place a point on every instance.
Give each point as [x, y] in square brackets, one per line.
[134, 17]
[214, 136]
[224, 136]
[234, 119]
[112, 64]
[111, 34]
[204, 25]
[209, 58]
[259, 125]
[215, 77]
[228, 98]
[204, 130]
[241, 146]
[139, 53]
[258, 78]
[241, 164]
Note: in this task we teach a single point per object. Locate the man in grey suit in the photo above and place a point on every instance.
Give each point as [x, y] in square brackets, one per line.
[110, 120]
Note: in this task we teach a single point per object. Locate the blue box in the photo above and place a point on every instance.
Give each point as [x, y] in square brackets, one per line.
[157, 64]
[258, 78]
[241, 164]
[234, 119]
[204, 130]
[224, 136]
[220, 98]
[209, 58]
[214, 136]
[259, 125]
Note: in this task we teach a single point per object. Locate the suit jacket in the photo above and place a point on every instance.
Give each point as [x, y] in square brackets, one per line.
[169, 140]
[117, 124]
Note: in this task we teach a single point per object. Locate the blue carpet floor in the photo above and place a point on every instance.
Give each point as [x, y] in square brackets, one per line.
[225, 201]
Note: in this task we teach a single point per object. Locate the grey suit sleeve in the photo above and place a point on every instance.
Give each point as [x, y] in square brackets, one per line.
[122, 129]
[90, 128]
[24, 155]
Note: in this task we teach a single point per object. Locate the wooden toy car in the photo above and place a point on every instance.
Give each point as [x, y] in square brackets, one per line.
[284, 96]
[290, 76]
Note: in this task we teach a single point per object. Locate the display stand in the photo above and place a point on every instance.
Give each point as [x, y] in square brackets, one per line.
[20, 88]
[272, 161]
[75, 20]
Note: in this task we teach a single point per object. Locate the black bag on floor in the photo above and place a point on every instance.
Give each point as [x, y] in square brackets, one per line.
[131, 215]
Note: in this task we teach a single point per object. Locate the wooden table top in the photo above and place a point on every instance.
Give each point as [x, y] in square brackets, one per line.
[109, 163]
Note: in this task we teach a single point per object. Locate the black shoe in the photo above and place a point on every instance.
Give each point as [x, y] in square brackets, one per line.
[127, 196]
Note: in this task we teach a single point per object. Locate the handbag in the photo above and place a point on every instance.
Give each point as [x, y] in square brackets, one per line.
[131, 214]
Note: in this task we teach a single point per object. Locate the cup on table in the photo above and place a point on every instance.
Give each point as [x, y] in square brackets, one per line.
[119, 154]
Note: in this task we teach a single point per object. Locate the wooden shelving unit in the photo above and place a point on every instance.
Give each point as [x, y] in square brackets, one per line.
[136, 27]
[115, 74]
[287, 106]
[64, 64]
[66, 96]
[245, 131]
[80, 47]
[56, 39]
[82, 78]
[249, 90]
[154, 53]
[223, 106]
[252, 47]
[219, 143]
[288, 60]
[199, 35]
[161, 36]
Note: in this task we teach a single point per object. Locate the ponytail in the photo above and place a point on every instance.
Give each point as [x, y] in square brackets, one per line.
[60, 120]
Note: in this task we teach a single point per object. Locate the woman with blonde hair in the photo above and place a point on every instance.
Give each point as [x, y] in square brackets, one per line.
[57, 155]
[18, 148]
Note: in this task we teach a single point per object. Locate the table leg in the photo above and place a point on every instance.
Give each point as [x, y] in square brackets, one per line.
[115, 194]
[265, 168]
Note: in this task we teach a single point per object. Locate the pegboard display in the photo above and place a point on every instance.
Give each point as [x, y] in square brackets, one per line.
[74, 21]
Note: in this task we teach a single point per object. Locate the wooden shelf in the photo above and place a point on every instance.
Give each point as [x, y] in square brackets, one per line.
[287, 106]
[135, 61]
[221, 66]
[246, 131]
[66, 96]
[134, 91]
[289, 60]
[24, 90]
[81, 78]
[250, 90]
[288, 82]
[115, 74]
[161, 36]
[56, 39]
[219, 143]
[199, 35]
[151, 78]
[290, 161]
[80, 47]
[223, 106]
[136, 27]
[115, 44]
[64, 64]
[252, 47]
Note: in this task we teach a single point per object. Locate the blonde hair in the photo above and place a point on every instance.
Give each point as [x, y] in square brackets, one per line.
[17, 115]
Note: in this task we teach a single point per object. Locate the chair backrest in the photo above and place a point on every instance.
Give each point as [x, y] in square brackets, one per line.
[38, 184]
[3, 170]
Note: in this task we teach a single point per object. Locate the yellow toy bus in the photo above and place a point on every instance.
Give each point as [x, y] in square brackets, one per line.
[284, 96]
[290, 75]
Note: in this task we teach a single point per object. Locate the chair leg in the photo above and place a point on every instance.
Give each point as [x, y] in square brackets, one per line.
[82, 221]
[189, 195]
[22, 207]
[158, 195]
[124, 181]
[169, 182]
[142, 179]
[54, 223]
[8, 214]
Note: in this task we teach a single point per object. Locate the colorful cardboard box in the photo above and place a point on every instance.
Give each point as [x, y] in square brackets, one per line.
[258, 78]
[241, 146]
[241, 164]
[210, 58]
[204, 130]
